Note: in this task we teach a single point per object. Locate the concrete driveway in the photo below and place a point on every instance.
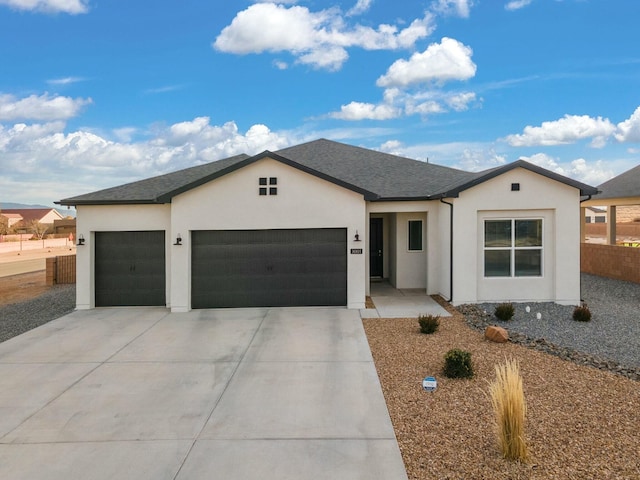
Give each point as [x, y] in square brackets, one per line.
[141, 393]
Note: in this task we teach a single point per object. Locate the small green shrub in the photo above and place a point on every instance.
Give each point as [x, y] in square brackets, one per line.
[505, 311]
[429, 323]
[457, 364]
[582, 314]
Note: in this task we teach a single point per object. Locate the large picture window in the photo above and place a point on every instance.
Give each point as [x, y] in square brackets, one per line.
[513, 248]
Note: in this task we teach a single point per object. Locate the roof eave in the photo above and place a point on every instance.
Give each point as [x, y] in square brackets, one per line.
[70, 202]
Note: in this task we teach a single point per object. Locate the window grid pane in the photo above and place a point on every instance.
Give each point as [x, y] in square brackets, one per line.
[528, 263]
[497, 263]
[497, 233]
[528, 233]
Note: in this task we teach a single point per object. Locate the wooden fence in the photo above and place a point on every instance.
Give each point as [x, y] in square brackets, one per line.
[621, 263]
[61, 269]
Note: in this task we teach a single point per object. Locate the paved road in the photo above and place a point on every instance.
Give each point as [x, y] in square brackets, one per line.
[22, 266]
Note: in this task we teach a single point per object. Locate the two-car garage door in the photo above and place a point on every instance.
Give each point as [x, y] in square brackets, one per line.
[260, 268]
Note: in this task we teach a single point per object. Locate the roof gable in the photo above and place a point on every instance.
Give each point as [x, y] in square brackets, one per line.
[454, 190]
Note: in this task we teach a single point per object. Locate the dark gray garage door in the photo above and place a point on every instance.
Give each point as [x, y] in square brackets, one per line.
[130, 268]
[268, 268]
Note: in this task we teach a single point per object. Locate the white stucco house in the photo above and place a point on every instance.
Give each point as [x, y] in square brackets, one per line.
[314, 224]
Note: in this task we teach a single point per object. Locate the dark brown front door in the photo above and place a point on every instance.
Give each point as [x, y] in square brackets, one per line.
[375, 247]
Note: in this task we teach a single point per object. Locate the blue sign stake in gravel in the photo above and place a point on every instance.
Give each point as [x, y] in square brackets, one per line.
[430, 384]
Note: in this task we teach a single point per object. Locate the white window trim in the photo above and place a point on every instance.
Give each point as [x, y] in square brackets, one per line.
[512, 249]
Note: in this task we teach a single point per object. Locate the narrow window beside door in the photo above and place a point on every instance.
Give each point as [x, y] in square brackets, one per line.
[415, 235]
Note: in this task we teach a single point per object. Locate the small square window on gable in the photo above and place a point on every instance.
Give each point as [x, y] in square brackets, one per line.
[515, 187]
[271, 181]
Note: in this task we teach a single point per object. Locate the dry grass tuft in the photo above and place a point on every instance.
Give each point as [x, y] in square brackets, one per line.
[510, 408]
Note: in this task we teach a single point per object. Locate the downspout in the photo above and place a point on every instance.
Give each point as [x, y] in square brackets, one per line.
[582, 220]
[450, 249]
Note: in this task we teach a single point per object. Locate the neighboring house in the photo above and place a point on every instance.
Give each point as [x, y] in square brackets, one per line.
[12, 218]
[623, 190]
[20, 219]
[313, 224]
[595, 215]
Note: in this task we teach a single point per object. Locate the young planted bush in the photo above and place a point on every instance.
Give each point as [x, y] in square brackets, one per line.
[582, 314]
[457, 364]
[509, 406]
[429, 323]
[505, 311]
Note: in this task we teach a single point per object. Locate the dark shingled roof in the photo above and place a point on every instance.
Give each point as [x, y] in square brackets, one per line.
[626, 184]
[377, 175]
[156, 189]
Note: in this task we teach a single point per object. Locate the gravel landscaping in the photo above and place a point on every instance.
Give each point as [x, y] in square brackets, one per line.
[611, 340]
[17, 318]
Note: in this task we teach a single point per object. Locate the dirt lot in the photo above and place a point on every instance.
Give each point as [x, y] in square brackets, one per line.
[16, 288]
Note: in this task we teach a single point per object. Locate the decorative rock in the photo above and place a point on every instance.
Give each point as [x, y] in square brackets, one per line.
[496, 334]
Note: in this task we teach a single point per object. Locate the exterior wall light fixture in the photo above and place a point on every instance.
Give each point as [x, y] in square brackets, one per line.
[178, 240]
[357, 237]
[80, 240]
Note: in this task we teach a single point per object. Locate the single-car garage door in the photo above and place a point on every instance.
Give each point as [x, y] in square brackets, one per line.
[130, 269]
[268, 268]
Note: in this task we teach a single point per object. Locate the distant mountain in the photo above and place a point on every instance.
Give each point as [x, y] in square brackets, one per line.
[63, 211]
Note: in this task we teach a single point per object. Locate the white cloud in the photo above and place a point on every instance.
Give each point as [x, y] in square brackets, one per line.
[366, 111]
[360, 7]
[425, 108]
[65, 80]
[316, 38]
[164, 89]
[49, 6]
[591, 173]
[629, 130]
[476, 159]
[43, 107]
[440, 62]
[329, 57]
[97, 162]
[569, 129]
[460, 101]
[517, 4]
[397, 102]
[280, 65]
[460, 8]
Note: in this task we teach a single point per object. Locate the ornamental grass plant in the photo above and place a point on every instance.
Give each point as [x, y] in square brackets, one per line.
[509, 406]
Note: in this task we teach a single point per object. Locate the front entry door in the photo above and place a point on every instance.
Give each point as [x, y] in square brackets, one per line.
[375, 247]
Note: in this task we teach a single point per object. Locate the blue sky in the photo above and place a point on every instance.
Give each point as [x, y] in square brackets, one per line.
[98, 93]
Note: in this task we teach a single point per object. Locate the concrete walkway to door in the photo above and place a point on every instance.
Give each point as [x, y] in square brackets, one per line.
[391, 302]
[140, 393]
